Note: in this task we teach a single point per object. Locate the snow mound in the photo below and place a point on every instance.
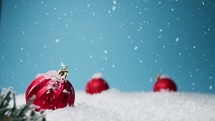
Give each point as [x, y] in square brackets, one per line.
[113, 105]
[53, 75]
[96, 75]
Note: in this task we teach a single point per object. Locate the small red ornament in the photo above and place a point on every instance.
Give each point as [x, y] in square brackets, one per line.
[165, 83]
[51, 90]
[97, 84]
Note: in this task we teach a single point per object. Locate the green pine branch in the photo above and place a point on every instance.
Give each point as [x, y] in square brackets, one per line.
[14, 113]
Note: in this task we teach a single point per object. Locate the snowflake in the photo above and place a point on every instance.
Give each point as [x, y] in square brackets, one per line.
[57, 40]
[177, 39]
[136, 47]
[210, 87]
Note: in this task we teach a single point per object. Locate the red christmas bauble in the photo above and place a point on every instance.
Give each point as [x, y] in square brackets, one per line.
[165, 83]
[96, 85]
[51, 90]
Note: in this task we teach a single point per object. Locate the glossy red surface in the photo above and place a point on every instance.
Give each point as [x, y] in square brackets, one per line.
[165, 84]
[49, 95]
[96, 85]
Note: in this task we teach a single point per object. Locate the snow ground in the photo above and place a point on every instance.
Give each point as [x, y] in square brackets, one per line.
[113, 105]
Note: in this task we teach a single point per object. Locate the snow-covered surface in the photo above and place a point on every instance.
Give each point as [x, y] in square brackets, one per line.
[53, 75]
[163, 76]
[97, 75]
[113, 105]
[55, 79]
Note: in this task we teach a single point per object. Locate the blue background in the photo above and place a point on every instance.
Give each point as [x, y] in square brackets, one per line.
[129, 41]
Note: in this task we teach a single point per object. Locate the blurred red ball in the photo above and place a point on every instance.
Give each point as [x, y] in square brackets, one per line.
[51, 91]
[165, 83]
[96, 85]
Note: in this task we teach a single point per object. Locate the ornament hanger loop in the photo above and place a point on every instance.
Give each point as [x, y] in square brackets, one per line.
[64, 72]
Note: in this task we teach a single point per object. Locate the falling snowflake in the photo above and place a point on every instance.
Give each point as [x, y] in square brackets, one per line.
[203, 3]
[62, 65]
[105, 51]
[141, 61]
[136, 47]
[210, 87]
[57, 40]
[113, 8]
[172, 9]
[177, 39]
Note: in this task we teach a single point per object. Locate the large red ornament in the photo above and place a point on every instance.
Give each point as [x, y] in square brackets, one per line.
[96, 85]
[51, 90]
[165, 83]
